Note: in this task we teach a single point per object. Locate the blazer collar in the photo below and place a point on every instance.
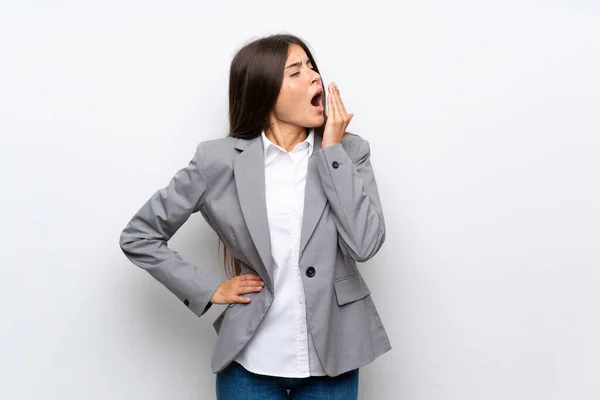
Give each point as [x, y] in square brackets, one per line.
[249, 175]
[243, 144]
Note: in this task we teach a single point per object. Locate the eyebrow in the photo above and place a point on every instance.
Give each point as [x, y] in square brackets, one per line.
[297, 64]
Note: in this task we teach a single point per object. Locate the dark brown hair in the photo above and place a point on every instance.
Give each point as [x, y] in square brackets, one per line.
[255, 79]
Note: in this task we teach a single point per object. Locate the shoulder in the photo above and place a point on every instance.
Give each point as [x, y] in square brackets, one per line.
[216, 148]
[219, 145]
[215, 153]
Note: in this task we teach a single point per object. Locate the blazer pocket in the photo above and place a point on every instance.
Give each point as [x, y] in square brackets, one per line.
[350, 289]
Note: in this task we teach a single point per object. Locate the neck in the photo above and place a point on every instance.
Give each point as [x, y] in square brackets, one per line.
[286, 136]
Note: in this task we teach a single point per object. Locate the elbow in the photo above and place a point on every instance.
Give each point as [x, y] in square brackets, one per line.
[370, 247]
[374, 246]
[130, 246]
[127, 242]
[124, 241]
[141, 251]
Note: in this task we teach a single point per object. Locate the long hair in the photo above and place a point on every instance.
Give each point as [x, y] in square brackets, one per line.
[255, 79]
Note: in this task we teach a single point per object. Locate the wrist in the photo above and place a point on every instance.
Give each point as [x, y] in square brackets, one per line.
[328, 143]
[216, 297]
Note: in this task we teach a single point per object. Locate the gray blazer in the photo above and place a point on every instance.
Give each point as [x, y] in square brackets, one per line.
[343, 223]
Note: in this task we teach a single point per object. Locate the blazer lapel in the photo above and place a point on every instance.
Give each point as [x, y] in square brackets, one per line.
[314, 197]
[249, 172]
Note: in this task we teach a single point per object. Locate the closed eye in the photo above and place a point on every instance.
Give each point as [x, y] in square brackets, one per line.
[299, 64]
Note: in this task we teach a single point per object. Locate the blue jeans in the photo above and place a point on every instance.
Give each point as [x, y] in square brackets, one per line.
[236, 383]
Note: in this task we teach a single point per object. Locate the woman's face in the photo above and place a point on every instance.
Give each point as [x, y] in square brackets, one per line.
[300, 100]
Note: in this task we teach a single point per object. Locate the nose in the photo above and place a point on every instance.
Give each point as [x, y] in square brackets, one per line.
[315, 77]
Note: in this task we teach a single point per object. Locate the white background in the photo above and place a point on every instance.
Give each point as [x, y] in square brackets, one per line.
[484, 123]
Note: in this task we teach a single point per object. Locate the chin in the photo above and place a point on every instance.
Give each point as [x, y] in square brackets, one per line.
[317, 122]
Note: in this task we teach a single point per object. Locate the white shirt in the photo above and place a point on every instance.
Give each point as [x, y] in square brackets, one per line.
[282, 345]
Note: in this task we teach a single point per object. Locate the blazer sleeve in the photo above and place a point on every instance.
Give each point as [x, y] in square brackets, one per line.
[352, 192]
[144, 239]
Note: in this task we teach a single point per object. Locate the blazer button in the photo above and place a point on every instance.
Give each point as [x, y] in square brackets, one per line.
[335, 164]
[186, 302]
[310, 272]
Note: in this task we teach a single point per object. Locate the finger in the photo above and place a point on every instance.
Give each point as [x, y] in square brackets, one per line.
[340, 103]
[249, 289]
[334, 95]
[330, 104]
[251, 284]
[249, 277]
[242, 300]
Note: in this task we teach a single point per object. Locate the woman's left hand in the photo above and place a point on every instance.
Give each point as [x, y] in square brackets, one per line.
[337, 117]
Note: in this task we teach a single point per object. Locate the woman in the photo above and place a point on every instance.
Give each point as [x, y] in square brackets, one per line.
[294, 200]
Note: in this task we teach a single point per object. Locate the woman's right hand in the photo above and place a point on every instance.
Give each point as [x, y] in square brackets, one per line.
[231, 291]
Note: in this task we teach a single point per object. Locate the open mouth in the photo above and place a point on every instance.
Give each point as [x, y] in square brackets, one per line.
[317, 101]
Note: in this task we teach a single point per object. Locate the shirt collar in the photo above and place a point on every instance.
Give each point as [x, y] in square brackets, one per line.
[310, 139]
